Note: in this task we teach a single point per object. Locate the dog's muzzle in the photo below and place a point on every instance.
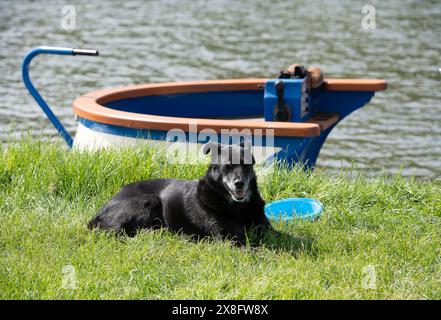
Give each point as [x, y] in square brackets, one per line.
[237, 195]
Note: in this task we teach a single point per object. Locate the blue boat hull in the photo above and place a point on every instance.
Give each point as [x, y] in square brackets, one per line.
[224, 105]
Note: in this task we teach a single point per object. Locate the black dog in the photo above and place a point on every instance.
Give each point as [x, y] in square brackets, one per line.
[225, 203]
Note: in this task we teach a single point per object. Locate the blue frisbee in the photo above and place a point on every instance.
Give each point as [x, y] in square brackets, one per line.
[294, 208]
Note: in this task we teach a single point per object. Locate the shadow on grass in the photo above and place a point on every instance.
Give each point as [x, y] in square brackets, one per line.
[281, 242]
[272, 239]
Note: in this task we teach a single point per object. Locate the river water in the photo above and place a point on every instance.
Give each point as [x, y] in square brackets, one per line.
[157, 41]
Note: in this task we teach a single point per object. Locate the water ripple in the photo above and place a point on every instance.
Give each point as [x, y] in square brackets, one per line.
[176, 40]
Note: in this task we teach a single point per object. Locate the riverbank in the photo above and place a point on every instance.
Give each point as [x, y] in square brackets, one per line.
[378, 238]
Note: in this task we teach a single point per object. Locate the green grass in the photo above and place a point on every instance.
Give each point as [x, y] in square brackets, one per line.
[48, 194]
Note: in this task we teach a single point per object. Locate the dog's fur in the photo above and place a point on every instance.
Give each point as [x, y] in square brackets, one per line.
[225, 203]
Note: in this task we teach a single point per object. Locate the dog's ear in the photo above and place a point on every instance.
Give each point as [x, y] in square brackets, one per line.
[245, 144]
[247, 152]
[215, 149]
[210, 146]
[253, 161]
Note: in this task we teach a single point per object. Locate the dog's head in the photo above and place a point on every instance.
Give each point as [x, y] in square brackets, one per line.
[232, 169]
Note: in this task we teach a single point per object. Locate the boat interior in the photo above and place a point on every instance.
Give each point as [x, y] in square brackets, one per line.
[218, 104]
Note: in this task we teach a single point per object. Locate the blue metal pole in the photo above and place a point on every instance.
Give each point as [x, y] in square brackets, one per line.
[36, 95]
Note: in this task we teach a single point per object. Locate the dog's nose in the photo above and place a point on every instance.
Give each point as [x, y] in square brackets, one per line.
[239, 184]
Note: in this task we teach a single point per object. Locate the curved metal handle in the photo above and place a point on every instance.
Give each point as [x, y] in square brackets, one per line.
[36, 95]
[84, 52]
